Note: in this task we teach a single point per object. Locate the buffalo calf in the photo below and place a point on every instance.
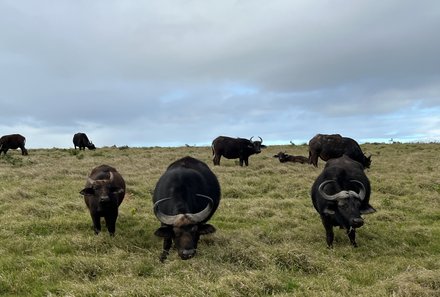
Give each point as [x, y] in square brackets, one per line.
[103, 193]
[283, 157]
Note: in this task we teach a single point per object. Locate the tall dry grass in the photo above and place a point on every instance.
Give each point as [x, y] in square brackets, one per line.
[269, 239]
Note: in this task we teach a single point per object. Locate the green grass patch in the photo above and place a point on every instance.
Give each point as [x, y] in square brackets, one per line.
[269, 239]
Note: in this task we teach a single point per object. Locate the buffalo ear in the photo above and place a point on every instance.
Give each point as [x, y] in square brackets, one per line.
[206, 229]
[165, 232]
[87, 191]
[367, 209]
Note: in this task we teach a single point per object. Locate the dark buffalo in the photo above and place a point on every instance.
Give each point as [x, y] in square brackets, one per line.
[334, 146]
[340, 194]
[103, 193]
[13, 141]
[185, 198]
[283, 157]
[233, 148]
[82, 141]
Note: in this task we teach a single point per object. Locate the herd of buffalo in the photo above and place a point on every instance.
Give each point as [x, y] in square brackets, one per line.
[188, 193]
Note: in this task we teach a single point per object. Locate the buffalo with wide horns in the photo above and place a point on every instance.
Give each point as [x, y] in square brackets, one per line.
[341, 194]
[185, 198]
[233, 148]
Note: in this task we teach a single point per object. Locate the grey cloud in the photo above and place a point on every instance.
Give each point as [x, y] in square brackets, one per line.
[184, 72]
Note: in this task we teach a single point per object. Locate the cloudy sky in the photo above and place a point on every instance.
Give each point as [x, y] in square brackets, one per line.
[176, 72]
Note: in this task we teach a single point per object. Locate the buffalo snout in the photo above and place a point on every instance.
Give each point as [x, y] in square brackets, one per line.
[187, 254]
[104, 199]
[357, 222]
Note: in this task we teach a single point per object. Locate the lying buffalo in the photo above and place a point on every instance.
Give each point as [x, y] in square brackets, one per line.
[334, 146]
[340, 195]
[185, 198]
[13, 141]
[82, 141]
[103, 193]
[283, 157]
[233, 148]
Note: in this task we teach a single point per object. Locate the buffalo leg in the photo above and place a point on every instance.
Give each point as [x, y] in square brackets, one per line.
[313, 159]
[328, 233]
[216, 159]
[167, 242]
[352, 236]
[246, 162]
[23, 150]
[110, 221]
[96, 224]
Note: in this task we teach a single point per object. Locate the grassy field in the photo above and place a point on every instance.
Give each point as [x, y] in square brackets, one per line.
[269, 239]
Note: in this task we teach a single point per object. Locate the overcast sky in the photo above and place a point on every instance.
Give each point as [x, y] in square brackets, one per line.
[170, 73]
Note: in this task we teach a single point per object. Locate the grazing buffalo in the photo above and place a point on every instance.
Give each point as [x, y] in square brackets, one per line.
[334, 146]
[340, 194]
[82, 141]
[185, 198]
[13, 141]
[283, 157]
[103, 193]
[233, 148]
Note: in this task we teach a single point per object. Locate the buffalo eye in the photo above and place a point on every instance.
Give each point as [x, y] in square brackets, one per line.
[115, 190]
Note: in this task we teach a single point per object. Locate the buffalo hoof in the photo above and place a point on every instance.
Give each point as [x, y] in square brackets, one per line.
[163, 256]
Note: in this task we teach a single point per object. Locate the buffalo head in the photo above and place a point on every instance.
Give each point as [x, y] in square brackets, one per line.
[256, 145]
[184, 229]
[102, 193]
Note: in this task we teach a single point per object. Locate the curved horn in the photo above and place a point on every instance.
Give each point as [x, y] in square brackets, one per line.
[163, 218]
[111, 176]
[362, 191]
[202, 215]
[261, 139]
[90, 180]
[251, 139]
[195, 217]
[340, 195]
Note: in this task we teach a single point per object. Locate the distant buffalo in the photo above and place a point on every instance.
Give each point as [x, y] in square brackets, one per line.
[233, 148]
[82, 141]
[185, 198]
[334, 146]
[341, 194]
[283, 157]
[13, 141]
[103, 193]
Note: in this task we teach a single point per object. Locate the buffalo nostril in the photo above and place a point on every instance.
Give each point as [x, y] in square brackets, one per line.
[358, 222]
[187, 254]
[104, 199]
